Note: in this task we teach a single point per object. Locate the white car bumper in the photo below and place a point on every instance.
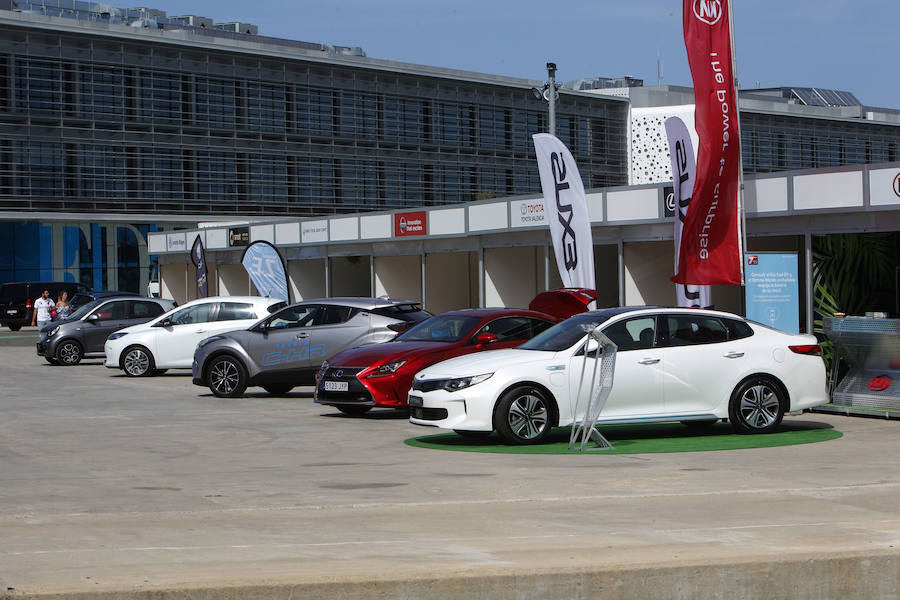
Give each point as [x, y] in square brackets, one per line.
[451, 410]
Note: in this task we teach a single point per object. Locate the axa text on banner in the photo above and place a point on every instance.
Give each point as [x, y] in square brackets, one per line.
[684, 166]
[566, 212]
[710, 243]
[198, 257]
[263, 263]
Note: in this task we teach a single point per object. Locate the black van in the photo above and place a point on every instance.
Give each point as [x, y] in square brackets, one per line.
[16, 299]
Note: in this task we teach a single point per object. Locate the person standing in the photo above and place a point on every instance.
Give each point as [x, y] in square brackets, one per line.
[42, 308]
[62, 306]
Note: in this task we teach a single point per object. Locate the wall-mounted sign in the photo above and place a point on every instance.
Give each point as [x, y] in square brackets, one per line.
[175, 242]
[313, 231]
[772, 291]
[669, 204]
[238, 236]
[410, 223]
[527, 213]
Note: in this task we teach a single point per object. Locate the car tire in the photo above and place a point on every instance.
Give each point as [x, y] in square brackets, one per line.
[756, 405]
[354, 410]
[137, 361]
[51, 360]
[700, 425]
[522, 416]
[472, 435]
[226, 377]
[278, 390]
[69, 353]
[14, 327]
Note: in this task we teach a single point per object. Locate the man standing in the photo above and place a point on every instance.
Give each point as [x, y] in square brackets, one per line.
[42, 308]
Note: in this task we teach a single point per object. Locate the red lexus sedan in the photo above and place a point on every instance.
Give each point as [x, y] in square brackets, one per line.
[358, 379]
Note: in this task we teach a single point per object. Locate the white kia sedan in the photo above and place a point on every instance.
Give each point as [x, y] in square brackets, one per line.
[169, 341]
[688, 365]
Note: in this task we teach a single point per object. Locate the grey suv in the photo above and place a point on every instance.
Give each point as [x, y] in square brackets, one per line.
[85, 331]
[286, 349]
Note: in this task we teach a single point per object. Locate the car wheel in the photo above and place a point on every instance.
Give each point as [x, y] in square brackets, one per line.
[354, 410]
[700, 425]
[51, 360]
[474, 435]
[69, 352]
[523, 416]
[227, 377]
[14, 327]
[278, 390]
[137, 361]
[756, 406]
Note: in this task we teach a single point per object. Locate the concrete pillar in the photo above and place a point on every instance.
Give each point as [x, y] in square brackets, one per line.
[648, 267]
[233, 280]
[398, 277]
[511, 277]
[350, 276]
[448, 282]
[171, 282]
[306, 279]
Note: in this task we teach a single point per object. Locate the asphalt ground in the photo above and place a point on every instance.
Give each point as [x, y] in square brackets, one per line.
[154, 488]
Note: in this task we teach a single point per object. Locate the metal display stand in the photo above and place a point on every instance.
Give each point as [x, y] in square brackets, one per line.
[870, 348]
[599, 387]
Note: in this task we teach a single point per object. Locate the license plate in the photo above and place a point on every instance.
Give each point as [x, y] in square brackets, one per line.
[11, 312]
[335, 386]
[415, 401]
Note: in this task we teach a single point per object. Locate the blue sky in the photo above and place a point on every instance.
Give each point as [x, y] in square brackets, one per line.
[836, 44]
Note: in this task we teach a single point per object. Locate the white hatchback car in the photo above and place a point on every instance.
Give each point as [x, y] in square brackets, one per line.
[169, 341]
[688, 365]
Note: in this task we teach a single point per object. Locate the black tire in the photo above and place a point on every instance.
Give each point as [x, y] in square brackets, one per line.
[137, 361]
[523, 416]
[14, 327]
[354, 410]
[226, 377]
[278, 389]
[756, 405]
[51, 360]
[472, 435]
[700, 425]
[69, 353]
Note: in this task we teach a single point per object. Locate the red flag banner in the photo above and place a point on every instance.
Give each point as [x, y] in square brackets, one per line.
[710, 242]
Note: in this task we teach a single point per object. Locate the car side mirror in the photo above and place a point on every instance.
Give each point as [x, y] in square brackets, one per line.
[167, 322]
[93, 317]
[485, 338]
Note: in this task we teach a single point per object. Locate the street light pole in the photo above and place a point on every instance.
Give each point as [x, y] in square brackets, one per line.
[551, 84]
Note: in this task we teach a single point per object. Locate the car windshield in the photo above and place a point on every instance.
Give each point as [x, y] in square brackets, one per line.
[83, 310]
[562, 335]
[442, 328]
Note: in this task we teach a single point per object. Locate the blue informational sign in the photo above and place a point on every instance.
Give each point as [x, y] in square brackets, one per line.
[772, 290]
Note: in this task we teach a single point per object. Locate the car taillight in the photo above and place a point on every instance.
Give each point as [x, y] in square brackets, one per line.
[811, 349]
[28, 303]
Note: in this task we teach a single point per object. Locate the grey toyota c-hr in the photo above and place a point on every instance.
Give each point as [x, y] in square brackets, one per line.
[286, 349]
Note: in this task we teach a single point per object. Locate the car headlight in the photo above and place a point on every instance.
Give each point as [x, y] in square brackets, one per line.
[117, 335]
[209, 340]
[53, 332]
[388, 369]
[459, 383]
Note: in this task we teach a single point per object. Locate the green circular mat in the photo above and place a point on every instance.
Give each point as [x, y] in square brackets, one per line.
[641, 439]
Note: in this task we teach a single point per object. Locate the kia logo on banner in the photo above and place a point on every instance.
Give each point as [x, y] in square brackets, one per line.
[411, 223]
[708, 11]
[566, 211]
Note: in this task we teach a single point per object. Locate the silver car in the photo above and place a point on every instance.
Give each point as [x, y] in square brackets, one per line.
[286, 349]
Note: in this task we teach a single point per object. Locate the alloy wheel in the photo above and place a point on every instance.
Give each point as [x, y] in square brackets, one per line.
[69, 353]
[136, 362]
[528, 416]
[224, 377]
[759, 406]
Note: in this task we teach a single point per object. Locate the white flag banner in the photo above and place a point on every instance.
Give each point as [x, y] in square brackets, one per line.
[566, 211]
[684, 169]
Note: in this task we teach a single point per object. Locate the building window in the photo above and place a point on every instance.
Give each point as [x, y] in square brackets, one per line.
[214, 102]
[159, 97]
[266, 107]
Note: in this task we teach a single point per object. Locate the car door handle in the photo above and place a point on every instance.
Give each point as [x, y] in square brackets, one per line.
[303, 335]
[648, 361]
[201, 331]
[734, 355]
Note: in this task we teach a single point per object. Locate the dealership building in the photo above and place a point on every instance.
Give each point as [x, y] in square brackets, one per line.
[122, 131]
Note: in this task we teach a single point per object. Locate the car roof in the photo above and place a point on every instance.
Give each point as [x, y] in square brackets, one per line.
[357, 302]
[264, 300]
[501, 312]
[608, 313]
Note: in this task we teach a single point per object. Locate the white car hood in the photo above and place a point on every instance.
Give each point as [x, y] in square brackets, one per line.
[482, 362]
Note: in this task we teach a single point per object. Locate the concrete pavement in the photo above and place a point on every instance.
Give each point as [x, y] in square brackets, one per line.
[152, 488]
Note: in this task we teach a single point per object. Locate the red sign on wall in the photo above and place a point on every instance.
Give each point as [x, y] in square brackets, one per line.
[410, 223]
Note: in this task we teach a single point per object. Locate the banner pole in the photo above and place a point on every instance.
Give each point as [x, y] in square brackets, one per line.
[737, 114]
